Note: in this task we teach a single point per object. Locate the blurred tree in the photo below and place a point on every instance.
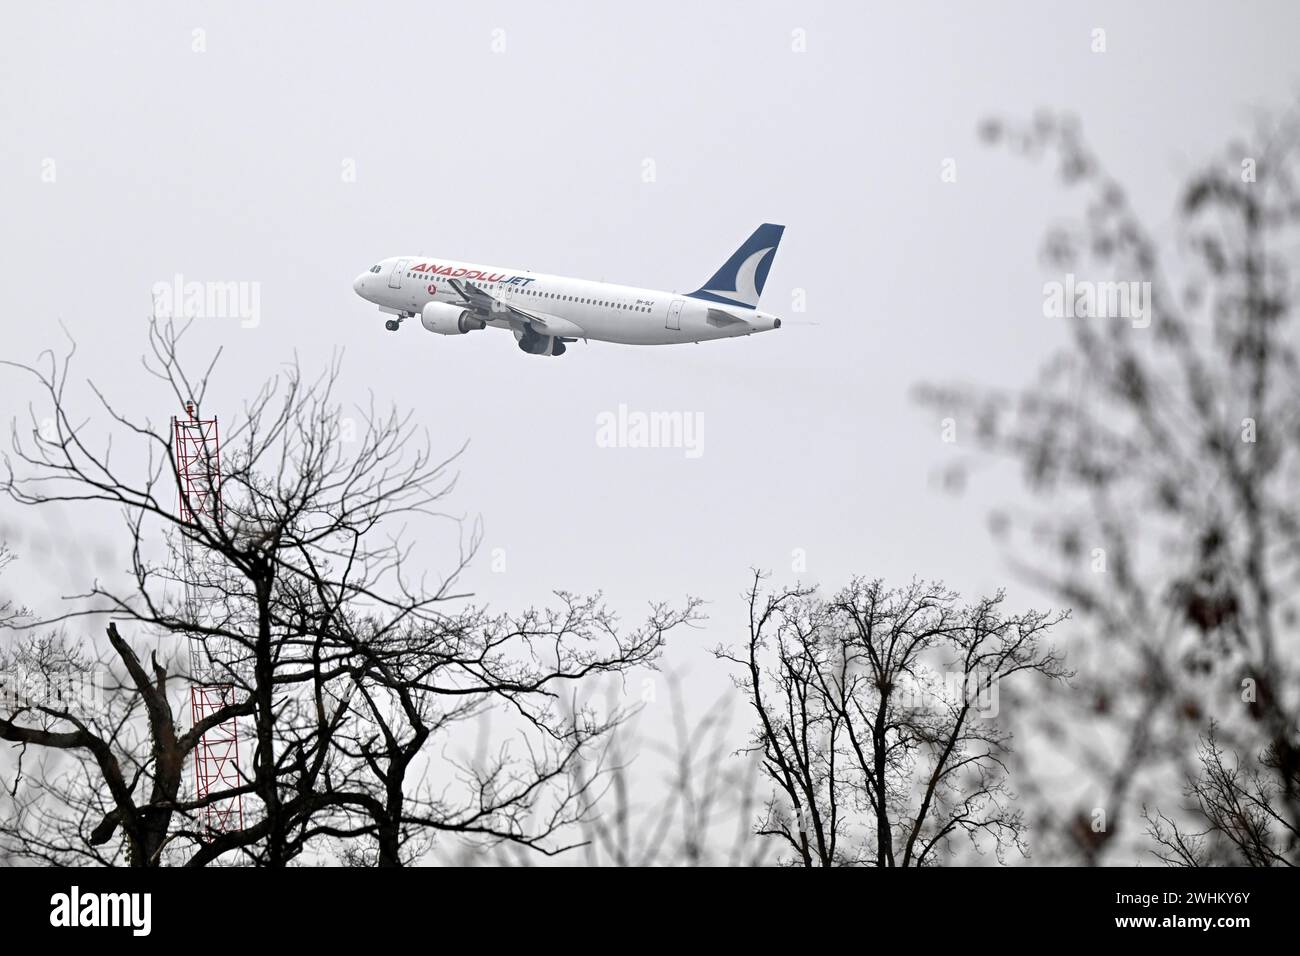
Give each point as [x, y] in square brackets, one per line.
[1164, 452]
[684, 801]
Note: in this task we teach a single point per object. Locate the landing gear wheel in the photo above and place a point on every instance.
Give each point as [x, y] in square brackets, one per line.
[392, 325]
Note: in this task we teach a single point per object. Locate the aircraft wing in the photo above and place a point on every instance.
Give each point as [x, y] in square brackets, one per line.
[488, 306]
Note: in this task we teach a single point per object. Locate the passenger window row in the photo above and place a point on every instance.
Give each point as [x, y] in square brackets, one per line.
[606, 303]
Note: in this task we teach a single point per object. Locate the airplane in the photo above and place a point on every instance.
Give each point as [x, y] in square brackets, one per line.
[547, 312]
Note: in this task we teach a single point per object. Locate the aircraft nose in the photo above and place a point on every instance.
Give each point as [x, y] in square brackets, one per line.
[359, 284]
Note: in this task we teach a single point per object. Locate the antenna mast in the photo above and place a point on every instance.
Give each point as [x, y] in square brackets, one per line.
[216, 758]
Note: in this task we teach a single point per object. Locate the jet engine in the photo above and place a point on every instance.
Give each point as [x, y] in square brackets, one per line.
[534, 344]
[447, 319]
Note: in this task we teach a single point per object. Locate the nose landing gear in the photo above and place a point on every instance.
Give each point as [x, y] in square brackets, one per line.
[392, 325]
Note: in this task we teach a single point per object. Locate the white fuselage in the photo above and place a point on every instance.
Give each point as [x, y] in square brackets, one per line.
[570, 308]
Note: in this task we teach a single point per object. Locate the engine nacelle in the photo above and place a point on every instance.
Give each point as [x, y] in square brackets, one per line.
[447, 319]
[534, 344]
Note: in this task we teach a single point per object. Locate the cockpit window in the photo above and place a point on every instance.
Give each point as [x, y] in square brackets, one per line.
[374, 268]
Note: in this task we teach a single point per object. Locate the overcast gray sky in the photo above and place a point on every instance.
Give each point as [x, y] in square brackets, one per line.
[518, 134]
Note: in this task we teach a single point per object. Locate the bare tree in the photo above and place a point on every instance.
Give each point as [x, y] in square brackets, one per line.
[413, 686]
[299, 590]
[1239, 808]
[875, 719]
[10, 612]
[109, 754]
[1164, 449]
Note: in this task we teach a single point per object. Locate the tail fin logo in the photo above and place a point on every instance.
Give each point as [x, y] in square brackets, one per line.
[740, 281]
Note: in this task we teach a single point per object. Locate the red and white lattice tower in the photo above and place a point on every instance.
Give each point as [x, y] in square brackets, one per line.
[216, 758]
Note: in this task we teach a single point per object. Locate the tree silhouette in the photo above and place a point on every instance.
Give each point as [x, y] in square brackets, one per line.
[347, 666]
[875, 718]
